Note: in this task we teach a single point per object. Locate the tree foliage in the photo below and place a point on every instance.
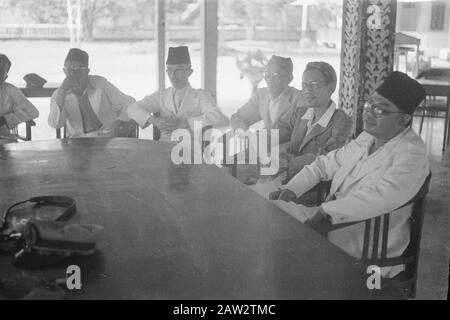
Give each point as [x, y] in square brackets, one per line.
[38, 11]
[139, 14]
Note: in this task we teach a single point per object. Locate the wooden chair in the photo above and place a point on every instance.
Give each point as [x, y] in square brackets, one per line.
[433, 107]
[156, 133]
[34, 92]
[27, 137]
[233, 167]
[406, 280]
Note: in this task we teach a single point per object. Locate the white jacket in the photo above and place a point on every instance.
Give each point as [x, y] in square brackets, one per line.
[197, 105]
[366, 186]
[107, 101]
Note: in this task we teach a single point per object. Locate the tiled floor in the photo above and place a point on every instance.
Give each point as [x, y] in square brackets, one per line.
[434, 259]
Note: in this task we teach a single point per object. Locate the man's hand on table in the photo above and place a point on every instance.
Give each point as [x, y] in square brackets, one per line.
[284, 194]
[320, 222]
[170, 124]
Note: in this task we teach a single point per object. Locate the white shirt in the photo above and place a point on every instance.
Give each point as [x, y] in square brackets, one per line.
[178, 96]
[366, 186]
[324, 119]
[274, 106]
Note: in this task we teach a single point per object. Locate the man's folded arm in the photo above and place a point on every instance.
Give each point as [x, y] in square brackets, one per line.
[141, 111]
[247, 115]
[322, 169]
[118, 100]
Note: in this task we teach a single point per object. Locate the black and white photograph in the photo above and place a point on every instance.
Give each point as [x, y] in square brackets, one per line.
[224, 156]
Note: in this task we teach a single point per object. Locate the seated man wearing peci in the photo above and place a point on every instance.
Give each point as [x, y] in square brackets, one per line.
[180, 106]
[15, 108]
[377, 173]
[268, 105]
[89, 105]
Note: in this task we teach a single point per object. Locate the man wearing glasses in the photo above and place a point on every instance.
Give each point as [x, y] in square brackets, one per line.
[322, 128]
[179, 106]
[378, 172]
[268, 104]
[89, 105]
[15, 108]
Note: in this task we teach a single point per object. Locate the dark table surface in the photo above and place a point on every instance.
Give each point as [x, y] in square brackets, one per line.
[175, 232]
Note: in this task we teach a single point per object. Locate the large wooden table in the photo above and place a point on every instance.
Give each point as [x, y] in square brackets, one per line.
[442, 89]
[176, 232]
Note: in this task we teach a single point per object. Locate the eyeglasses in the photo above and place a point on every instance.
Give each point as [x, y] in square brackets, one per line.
[270, 74]
[175, 71]
[74, 70]
[312, 86]
[376, 110]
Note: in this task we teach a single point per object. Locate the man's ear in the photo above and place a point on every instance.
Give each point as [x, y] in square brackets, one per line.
[405, 120]
[190, 72]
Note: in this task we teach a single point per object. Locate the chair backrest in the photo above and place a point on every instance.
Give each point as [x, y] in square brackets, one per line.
[58, 133]
[410, 256]
[156, 133]
[245, 146]
[27, 137]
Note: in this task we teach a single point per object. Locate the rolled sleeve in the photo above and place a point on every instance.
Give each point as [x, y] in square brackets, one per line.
[22, 109]
[247, 115]
[118, 100]
[140, 111]
[322, 169]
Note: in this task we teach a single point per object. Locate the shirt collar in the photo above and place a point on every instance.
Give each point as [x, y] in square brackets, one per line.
[182, 89]
[89, 86]
[371, 140]
[324, 119]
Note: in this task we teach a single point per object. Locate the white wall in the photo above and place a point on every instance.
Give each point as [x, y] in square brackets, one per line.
[431, 41]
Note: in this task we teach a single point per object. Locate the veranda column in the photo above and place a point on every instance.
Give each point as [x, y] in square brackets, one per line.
[160, 29]
[209, 45]
[367, 55]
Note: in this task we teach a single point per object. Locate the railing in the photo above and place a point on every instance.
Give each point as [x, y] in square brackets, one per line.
[34, 31]
[61, 31]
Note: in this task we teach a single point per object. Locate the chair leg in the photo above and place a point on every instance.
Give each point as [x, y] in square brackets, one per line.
[421, 124]
[421, 120]
[412, 289]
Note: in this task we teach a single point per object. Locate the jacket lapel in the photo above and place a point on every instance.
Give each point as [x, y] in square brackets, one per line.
[299, 135]
[315, 131]
[187, 101]
[344, 172]
[374, 162]
[285, 104]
